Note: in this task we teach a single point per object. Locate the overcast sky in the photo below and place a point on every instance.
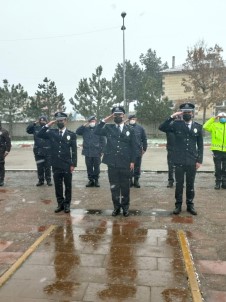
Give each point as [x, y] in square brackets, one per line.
[66, 40]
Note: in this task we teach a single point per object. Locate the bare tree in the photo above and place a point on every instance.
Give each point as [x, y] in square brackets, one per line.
[206, 75]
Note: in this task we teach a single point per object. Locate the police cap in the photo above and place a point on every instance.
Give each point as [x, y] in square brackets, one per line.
[187, 107]
[92, 118]
[222, 114]
[43, 118]
[60, 115]
[131, 116]
[118, 110]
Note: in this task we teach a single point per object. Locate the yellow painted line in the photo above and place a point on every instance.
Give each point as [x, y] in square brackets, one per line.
[28, 252]
[196, 294]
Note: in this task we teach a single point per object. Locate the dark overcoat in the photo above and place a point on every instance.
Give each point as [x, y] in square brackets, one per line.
[120, 149]
[93, 145]
[188, 143]
[63, 149]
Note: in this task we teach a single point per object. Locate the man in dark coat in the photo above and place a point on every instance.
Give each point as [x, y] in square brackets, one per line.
[141, 147]
[188, 153]
[119, 156]
[64, 158]
[5, 147]
[92, 148]
[41, 151]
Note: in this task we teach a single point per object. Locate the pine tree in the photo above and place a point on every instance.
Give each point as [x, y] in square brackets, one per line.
[93, 96]
[13, 100]
[46, 101]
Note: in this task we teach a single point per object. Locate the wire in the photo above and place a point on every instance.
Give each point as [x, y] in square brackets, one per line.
[61, 36]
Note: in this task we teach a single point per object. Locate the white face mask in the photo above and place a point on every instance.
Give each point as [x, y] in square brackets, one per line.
[92, 124]
[132, 122]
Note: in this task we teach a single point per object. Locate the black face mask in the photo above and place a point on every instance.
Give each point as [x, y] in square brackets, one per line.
[118, 119]
[60, 125]
[186, 117]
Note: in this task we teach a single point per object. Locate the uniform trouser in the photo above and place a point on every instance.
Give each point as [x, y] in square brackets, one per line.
[60, 177]
[120, 186]
[170, 165]
[43, 167]
[93, 167]
[219, 159]
[137, 168]
[2, 167]
[189, 172]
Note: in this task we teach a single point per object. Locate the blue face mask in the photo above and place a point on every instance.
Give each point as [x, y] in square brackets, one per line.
[222, 119]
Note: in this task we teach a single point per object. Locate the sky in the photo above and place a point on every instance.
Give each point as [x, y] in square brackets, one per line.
[66, 40]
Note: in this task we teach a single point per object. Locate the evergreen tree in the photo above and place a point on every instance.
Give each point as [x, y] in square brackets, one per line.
[151, 108]
[13, 100]
[133, 80]
[93, 96]
[46, 101]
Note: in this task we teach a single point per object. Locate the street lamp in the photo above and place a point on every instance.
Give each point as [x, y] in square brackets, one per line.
[123, 14]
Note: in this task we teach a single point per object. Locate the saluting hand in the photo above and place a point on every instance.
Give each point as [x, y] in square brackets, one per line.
[51, 123]
[108, 118]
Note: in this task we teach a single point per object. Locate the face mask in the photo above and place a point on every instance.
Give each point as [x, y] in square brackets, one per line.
[186, 117]
[42, 123]
[60, 125]
[92, 124]
[222, 119]
[118, 119]
[132, 122]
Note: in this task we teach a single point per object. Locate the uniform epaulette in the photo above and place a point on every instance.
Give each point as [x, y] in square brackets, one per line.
[198, 124]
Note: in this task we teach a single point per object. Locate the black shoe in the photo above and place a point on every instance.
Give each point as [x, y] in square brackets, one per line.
[90, 184]
[60, 208]
[126, 213]
[131, 183]
[170, 184]
[1, 183]
[40, 183]
[177, 210]
[96, 183]
[136, 183]
[115, 212]
[49, 183]
[67, 208]
[217, 185]
[191, 210]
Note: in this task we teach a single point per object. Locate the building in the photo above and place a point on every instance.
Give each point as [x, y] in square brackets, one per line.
[173, 89]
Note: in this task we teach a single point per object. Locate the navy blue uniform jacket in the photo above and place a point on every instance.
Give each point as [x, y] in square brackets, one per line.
[63, 149]
[188, 144]
[93, 145]
[141, 139]
[41, 146]
[120, 149]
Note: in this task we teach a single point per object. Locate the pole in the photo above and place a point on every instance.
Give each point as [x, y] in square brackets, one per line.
[123, 14]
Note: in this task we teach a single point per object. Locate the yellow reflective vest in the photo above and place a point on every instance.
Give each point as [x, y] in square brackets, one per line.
[218, 134]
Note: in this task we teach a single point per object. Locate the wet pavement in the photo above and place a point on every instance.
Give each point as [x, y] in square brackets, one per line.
[91, 256]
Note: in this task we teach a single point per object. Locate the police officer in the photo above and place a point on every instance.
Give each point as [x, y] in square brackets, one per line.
[41, 151]
[217, 127]
[64, 158]
[119, 156]
[188, 153]
[92, 148]
[5, 147]
[141, 147]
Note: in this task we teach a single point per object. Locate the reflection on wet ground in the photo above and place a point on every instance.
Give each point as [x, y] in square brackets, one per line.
[95, 258]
